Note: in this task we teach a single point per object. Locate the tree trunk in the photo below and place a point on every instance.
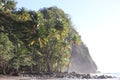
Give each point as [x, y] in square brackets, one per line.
[48, 65]
[4, 67]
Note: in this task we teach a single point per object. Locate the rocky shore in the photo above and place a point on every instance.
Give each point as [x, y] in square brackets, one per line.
[54, 76]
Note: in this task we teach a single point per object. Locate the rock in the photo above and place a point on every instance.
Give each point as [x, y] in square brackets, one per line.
[101, 77]
[81, 61]
[71, 75]
[15, 74]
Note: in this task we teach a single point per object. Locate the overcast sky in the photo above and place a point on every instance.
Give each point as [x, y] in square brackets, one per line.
[97, 21]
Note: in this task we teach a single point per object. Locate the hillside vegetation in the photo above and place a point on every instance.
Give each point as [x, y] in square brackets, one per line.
[34, 41]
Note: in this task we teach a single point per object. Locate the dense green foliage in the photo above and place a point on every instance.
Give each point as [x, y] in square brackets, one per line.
[34, 41]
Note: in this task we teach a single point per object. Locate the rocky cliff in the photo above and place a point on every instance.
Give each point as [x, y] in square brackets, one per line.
[81, 61]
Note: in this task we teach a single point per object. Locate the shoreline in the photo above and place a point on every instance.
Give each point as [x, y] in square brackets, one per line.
[56, 76]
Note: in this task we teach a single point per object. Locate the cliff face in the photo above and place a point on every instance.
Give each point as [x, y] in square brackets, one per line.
[81, 61]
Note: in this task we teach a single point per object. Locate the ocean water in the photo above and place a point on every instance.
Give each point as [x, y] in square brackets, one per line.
[113, 74]
[109, 74]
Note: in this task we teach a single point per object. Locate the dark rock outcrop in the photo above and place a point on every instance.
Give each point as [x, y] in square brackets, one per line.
[81, 61]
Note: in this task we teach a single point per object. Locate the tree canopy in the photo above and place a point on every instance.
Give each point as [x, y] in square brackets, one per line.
[35, 41]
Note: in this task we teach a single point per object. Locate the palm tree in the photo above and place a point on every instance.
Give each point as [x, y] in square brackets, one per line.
[8, 5]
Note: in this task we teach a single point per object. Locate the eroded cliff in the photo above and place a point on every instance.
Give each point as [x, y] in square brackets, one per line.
[81, 61]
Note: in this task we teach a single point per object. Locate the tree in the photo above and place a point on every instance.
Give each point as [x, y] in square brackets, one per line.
[23, 14]
[56, 33]
[22, 58]
[7, 5]
[6, 52]
[41, 39]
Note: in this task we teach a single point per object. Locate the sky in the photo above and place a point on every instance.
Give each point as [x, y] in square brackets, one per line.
[97, 21]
